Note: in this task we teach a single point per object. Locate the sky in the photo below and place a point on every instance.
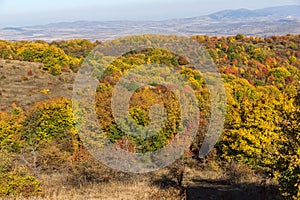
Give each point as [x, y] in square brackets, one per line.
[14, 13]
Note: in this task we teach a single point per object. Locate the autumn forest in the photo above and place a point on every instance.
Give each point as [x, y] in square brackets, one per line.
[261, 133]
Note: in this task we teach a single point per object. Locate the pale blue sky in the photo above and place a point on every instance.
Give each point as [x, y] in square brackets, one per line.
[33, 12]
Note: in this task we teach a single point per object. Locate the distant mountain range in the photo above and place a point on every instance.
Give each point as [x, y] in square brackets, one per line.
[270, 13]
[261, 22]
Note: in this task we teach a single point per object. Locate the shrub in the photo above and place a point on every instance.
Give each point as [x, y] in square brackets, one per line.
[16, 181]
[49, 135]
[48, 120]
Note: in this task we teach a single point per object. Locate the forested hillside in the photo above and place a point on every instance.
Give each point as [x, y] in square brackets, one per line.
[262, 125]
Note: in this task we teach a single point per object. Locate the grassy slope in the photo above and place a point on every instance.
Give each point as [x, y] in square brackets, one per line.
[24, 83]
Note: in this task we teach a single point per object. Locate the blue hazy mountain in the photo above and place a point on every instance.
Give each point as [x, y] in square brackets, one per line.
[272, 12]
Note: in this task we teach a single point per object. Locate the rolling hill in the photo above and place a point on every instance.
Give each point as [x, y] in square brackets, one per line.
[261, 22]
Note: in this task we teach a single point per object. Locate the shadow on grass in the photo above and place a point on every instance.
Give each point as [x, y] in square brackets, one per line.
[223, 190]
[220, 189]
[165, 182]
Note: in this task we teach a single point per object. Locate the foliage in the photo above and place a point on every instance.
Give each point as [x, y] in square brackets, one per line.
[251, 131]
[289, 163]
